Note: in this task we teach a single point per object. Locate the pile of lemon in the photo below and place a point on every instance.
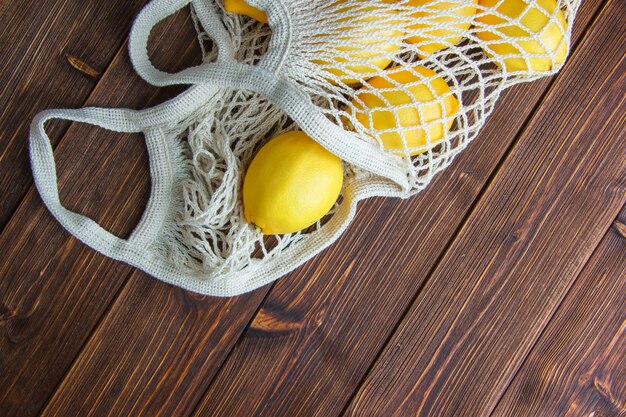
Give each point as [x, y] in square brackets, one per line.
[293, 181]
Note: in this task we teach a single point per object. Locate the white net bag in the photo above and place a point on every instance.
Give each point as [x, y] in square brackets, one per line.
[418, 78]
[396, 89]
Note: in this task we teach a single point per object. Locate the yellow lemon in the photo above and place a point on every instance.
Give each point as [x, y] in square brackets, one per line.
[406, 96]
[448, 13]
[532, 21]
[368, 47]
[291, 183]
[241, 7]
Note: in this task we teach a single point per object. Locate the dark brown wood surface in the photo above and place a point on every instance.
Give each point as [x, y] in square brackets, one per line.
[450, 303]
[577, 367]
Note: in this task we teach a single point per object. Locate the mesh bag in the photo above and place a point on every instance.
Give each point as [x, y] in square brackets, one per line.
[396, 89]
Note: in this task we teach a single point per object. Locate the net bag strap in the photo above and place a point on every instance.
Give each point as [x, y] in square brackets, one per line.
[161, 151]
[45, 177]
[157, 11]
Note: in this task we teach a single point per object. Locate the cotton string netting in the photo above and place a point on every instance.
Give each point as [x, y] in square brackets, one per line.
[339, 47]
[396, 89]
[335, 47]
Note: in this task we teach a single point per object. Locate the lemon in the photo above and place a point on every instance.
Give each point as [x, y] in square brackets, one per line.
[367, 48]
[291, 183]
[406, 96]
[532, 21]
[241, 7]
[448, 13]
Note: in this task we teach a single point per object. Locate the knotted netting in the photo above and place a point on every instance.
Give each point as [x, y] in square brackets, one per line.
[415, 78]
[418, 78]
[396, 89]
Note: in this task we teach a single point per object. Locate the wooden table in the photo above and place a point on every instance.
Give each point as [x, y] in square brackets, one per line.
[499, 291]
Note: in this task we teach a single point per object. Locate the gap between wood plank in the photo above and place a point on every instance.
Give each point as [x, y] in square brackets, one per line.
[82, 347]
[242, 334]
[556, 310]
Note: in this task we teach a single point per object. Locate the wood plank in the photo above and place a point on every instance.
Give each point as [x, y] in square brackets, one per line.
[577, 367]
[498, 285]
[53, 54]
[152, 366]
[53, 290]
[304, 307]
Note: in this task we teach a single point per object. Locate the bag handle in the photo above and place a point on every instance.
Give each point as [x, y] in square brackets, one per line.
[158, 10]
[84, 228]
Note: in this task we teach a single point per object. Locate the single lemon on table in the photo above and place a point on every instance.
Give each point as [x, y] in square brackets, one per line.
[449, 13]
[291, 183]
[406, 94]
[241, 7]
[369, 43]
[533, 21]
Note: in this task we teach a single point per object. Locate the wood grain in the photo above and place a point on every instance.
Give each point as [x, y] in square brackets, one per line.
[42, 44]
[577, 367]
[531, 233]
[158, 348]
[300, 321]
[53, 289]
[160, 362]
